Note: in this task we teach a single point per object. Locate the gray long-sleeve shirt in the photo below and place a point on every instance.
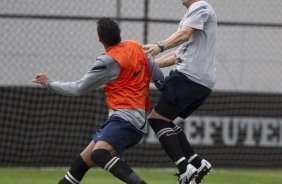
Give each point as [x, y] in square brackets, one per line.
[104, 71]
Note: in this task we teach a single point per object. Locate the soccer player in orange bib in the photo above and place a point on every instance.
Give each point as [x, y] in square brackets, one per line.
[125, 71]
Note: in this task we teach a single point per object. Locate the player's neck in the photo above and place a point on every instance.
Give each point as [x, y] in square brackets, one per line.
[192, 2]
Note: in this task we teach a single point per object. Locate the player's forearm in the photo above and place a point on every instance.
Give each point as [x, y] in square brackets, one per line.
[176, 39]
[166, 60]
[89, 82]
[66, 88]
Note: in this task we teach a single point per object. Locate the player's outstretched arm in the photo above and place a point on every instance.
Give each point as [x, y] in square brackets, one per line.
[178, 37]
[65, 88]
[172, 41]
[104, 70]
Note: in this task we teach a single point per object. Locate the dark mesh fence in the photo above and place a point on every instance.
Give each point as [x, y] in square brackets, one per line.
[39, 128]
[239, 126]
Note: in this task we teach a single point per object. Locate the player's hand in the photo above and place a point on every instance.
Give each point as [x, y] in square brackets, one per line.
[152, 49]
[41, 78]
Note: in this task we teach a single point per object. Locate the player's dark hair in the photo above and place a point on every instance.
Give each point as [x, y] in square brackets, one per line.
[108, 31]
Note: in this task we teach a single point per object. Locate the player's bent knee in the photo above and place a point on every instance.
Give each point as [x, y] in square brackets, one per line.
[155, 115]
[98, 155]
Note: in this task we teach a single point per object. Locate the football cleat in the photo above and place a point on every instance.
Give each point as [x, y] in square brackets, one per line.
[202, 171]
[189, 175]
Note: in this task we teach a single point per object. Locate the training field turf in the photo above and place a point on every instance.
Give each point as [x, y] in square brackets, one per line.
[152, 176]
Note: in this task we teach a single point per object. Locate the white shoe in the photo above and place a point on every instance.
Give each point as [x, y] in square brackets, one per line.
[189, 175]
[193, 182]
[202, 171]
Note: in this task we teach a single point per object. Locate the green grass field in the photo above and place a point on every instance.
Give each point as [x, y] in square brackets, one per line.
[151, 176]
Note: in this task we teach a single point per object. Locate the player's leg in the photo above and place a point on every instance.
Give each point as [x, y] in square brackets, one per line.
[115, 137]
[167, 109]
[202, 165]
[102, 158]
[186, 147]
[79, 166]
[170, 143]
[190, 95]
[178, 92]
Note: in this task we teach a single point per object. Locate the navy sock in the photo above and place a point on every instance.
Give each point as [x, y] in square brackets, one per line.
[169, 142]
[116, 166]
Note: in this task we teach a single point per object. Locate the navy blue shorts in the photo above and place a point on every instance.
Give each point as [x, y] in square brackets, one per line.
[180, 96]
[120, 134]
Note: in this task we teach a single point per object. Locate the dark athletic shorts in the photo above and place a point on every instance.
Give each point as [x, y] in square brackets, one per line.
[180, 96]
[120, 134]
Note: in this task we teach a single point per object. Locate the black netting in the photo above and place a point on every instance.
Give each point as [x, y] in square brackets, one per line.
[39, 128]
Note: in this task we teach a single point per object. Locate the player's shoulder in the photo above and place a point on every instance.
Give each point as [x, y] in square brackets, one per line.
[105, 58]
[199, 5]
[133, 43]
